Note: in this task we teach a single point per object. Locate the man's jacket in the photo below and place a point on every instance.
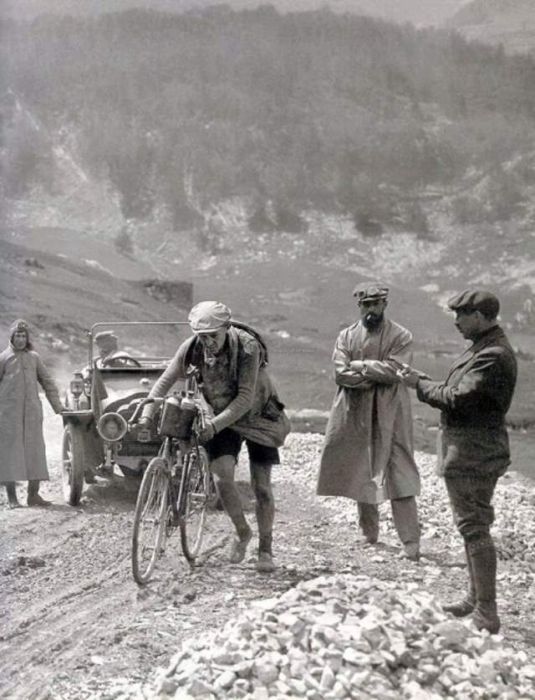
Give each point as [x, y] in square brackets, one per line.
[473, 402]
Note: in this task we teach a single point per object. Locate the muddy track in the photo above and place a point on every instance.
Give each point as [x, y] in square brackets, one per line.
[73, 623]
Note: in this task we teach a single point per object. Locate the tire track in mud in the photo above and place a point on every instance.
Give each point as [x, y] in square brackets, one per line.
[76, 620]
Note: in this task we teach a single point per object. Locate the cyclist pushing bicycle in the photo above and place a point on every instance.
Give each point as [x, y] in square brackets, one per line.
[231, 360]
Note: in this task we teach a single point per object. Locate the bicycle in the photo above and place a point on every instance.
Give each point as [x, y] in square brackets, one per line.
[177, 486]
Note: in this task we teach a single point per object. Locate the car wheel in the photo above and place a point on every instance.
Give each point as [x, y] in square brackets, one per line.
[73, 464]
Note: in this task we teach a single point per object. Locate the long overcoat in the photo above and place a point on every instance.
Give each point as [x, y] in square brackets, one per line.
[22, 455]
[368, 450]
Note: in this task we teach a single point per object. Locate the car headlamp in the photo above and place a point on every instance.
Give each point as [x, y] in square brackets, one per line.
[77, 385]
[112, 427]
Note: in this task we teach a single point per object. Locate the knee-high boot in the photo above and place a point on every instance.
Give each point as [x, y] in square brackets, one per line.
[369, 521]
[483, 557]
[464, 607]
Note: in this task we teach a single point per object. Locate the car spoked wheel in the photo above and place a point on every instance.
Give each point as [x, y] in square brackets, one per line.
[72, 455]
[150, 520]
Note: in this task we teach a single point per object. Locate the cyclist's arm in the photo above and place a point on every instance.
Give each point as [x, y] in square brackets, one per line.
[175, 370]
[247, 379]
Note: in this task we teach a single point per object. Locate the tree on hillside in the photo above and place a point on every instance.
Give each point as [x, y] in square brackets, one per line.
[305, 110]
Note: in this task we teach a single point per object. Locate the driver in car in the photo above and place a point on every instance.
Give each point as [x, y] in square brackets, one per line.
[109, 354]
[108, 349]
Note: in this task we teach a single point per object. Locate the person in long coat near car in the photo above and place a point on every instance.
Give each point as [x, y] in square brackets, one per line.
[22, 456]
[368, 450]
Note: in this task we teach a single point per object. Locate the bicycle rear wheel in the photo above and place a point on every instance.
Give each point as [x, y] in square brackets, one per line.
[195, 493]
[148, 536]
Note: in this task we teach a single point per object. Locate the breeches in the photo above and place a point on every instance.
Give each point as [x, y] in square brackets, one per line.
[470, 499]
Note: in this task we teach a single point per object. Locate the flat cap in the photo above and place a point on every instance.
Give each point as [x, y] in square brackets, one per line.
[105, 336]
[370, 291]
[476, 300]
[209, 316]
[19, 325]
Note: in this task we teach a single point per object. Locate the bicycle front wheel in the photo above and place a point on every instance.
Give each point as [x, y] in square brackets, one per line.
[148, 536]
[195, 493]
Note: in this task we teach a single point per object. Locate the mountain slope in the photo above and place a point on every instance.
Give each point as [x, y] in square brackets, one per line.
[428, 12]
[507, 22]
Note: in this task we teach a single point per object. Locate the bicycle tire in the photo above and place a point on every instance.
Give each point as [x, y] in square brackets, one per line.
[195, 492]
[150, 514]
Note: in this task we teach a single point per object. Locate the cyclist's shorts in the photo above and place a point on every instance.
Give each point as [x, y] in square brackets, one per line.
[229, 442]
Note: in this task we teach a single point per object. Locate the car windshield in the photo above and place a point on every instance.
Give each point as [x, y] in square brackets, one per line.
[125, 347]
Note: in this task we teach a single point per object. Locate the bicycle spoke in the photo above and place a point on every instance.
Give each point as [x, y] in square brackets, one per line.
[149, 521]
[193, 502]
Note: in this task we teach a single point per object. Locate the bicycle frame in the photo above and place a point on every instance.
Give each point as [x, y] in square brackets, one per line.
[179, 502]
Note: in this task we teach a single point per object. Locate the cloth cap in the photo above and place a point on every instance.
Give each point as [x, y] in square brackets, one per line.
[476, 300]
[208, 316]
[370, 291]
[19, 325]
[105, 337]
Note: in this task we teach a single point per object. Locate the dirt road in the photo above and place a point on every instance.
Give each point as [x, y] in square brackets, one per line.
[75, 625]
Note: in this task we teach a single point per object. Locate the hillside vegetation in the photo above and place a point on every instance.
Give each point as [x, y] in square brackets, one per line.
[272, 161]
[416, 11]
[348, 115]
[510, 23]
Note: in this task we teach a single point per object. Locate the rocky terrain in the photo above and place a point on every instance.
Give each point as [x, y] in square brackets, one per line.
[75, 625]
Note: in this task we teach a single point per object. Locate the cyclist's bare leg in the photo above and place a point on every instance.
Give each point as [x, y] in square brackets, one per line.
[265, 513]
[223, 468]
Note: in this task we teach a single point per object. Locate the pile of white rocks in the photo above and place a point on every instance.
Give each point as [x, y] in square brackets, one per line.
[347, 636]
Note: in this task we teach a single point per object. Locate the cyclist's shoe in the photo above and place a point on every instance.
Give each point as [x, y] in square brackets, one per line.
[239, 547]
[265, 563]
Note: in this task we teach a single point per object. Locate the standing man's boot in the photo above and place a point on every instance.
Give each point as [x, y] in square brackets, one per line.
[265, 515]
[483, 556]
[11, 490]
[462, 608]
[34, 499]
[405, 516]
[369, 521]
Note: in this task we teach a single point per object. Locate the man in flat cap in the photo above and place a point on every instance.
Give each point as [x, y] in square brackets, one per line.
[368, 450]
[106, 342]
[232, 360]
[474, 446]
[109, 353]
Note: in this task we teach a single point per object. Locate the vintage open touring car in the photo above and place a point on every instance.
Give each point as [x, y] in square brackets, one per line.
[102, 397]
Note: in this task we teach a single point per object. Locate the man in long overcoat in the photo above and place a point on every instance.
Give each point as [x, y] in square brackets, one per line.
[474, 445]
[368, 450]
[23, 456]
